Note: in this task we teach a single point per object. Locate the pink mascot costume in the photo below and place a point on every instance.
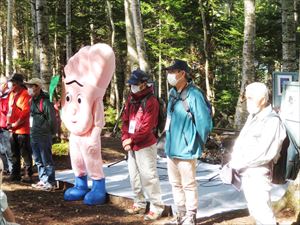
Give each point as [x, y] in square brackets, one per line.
[87, 75]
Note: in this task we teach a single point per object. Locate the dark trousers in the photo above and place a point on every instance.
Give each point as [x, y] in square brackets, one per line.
[20, 146]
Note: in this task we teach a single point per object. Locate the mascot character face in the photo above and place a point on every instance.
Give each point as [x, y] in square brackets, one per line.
[87, 75]
[77, 109]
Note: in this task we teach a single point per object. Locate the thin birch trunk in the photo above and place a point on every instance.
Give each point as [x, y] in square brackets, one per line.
[68, 28]
[9, 39]
[132, 56]
[209, 92]
[114, 93]
[35, 49]
[139, 35]
[248, 72]
[289, 56]
[43, 41]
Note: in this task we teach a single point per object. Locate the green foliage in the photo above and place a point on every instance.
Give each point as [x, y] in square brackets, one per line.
[110, 116]
[60, 148]
[172, 29]
[23, 63]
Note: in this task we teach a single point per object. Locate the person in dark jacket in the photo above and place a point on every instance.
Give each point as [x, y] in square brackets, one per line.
[42, 126]
[138, 139]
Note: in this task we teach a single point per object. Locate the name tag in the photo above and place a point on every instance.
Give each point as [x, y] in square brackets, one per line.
[168, 121]
[132, 125]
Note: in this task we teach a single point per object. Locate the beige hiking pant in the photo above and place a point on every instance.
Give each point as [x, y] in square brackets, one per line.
[182, 176]
[144, 178]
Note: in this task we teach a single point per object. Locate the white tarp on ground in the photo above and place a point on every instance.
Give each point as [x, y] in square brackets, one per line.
[214, 197]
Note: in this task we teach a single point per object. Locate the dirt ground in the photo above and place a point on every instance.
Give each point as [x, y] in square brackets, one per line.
[32, 207]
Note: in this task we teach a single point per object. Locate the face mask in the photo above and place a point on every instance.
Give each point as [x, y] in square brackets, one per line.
[30, 91]
[9, 85]
[135, 88]
[172, 79]
[252, 108]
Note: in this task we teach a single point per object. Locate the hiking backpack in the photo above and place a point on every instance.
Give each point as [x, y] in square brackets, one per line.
[287, 165]
[162, 113]
[183, 98]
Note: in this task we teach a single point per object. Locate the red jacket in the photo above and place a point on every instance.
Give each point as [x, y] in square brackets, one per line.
[145, 120]
[19, 108]
[3, 109]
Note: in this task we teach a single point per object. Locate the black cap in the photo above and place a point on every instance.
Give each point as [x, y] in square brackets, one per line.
[179, 65]
[138, 76]
[17, 78]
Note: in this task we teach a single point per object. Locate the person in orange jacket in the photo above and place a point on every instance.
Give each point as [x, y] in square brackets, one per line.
[18, 123]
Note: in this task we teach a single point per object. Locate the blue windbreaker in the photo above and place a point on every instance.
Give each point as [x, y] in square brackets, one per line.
[185, 139]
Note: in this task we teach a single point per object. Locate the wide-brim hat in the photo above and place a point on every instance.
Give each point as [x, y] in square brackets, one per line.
[35, 81]
[138, 76]
[179, 65]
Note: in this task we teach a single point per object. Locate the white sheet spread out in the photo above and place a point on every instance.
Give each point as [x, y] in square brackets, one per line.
[214, 197]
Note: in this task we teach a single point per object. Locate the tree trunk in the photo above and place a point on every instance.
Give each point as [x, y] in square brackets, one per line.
[248, 72]
[9, 39]
[43, 42]
[132, 56]
[1, 50]
[19, 35]
[55, 44]
[92, 30]
[35, 49]
[159, 61]
[289, 57]
[209, 91]
[114, 93]
[68, 28]
[139, 35]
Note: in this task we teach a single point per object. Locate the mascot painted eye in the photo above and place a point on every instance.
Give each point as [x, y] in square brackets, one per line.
[68, 98]
[87, 75]
[79, 99]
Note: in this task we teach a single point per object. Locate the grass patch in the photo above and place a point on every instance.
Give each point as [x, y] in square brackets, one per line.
[60, 148]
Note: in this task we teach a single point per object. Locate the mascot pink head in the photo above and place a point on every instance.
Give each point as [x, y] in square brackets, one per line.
[88, 74]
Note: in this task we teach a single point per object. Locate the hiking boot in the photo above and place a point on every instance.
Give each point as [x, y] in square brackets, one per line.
[177, 220]
[48, 187]
[38, 185]
[152, 216]
[136, 210]
[189, 220]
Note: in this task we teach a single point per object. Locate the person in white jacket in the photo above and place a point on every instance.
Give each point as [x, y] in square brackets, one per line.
[6, 215]
[254, 151]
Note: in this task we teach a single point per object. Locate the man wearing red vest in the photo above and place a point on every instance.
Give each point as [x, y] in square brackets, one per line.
[18, 123]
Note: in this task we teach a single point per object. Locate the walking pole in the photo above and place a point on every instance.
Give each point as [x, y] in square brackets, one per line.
[114, 132]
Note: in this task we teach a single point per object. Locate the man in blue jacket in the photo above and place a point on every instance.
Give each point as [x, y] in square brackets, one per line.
[186, 134]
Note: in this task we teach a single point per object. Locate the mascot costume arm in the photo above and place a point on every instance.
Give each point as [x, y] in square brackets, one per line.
[87, 75]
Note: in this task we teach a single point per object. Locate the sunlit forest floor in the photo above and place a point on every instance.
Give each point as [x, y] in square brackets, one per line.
[33, 207]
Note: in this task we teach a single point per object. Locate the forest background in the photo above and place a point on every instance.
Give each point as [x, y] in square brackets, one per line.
[227, 43]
